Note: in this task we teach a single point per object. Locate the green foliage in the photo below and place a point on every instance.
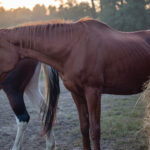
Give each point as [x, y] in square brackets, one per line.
[69, 11]
[38, 13]
[124, 15]
[75, 12]
[108, 12]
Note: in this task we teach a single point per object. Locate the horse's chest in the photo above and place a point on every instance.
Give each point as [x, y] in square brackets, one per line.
[70, 84]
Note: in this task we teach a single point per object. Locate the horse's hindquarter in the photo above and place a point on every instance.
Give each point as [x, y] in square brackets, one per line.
[127, 64]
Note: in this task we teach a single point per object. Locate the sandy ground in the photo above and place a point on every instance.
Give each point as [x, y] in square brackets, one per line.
[33, 139]
[67, 132]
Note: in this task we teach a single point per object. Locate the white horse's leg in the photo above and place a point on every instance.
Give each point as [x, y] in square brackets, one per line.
[34, 94]
[50, 141]
[21, 127]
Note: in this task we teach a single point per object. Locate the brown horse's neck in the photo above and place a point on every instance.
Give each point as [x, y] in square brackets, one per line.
[52, 41]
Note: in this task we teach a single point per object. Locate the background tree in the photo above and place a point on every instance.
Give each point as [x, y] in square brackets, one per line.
[93, 9]
[108, 12]
[39, 12]
[2, 17]
[124, 15]
[133, 16]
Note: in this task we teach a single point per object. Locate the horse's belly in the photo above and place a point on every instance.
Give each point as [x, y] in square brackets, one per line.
[127, 82]
[122, 90]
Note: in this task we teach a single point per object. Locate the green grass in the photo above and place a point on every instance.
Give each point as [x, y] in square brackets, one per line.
[121, 124]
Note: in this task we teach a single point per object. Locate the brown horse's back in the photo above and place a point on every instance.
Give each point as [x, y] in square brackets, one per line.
[126, 61]
[119, 61]
[112, 61]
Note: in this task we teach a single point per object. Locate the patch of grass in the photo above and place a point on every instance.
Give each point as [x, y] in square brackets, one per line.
[121, 124]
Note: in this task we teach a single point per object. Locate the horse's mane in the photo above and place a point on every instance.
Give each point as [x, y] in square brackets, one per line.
[52, 22]
[85, 19]
[42, 26]
[55, 21]
[55, 28]
[34, 23]
[58, 23]
[50, 25]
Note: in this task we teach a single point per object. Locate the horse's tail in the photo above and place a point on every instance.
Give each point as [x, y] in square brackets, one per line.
[52, 91]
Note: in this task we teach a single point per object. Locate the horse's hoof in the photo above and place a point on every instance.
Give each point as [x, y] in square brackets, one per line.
[14, 148]
[52, 147]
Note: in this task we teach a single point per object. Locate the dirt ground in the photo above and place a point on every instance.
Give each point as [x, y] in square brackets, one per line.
[67, 132]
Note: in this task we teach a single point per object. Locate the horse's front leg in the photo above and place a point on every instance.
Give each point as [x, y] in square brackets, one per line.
[93, 103]
[84, 119]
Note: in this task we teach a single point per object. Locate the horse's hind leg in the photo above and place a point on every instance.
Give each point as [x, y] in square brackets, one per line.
[22, 117]
[32, 90]
[50, 141]
[33, 93]
[20, 134]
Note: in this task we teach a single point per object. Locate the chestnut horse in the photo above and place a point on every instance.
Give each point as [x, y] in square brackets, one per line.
[25, 79]
[91, 58]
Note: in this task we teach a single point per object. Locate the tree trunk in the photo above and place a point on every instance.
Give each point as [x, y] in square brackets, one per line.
[93, 9]
[101, 4]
